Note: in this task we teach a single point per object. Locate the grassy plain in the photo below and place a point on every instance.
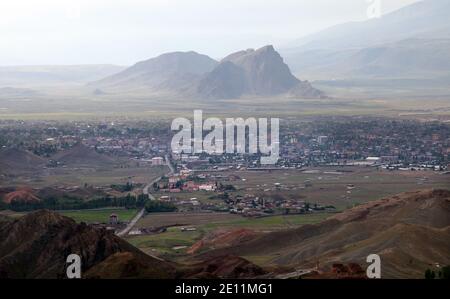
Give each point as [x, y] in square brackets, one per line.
[329, 186]
[325, 186]
[87, 216]
[174, 241]
[78, 177]
[345, 99]
[99, 215]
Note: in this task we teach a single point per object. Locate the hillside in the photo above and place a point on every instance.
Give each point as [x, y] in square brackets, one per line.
[410, 232]
[220, 239]
[409, 59]
[22, 194]
[424, 19]
[81, 155]
[228, 267]
[17, 160]
[167, 72]
[412, 42]
[36, 246]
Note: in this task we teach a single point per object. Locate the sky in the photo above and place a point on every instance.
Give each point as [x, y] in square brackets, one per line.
[62, 32]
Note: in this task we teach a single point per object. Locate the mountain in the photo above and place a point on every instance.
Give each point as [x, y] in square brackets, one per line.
[265, 71]
[37, 245]
[18, 76]
[171, 71]
[426, 19]
[259, 72]
[412, 42]
[128, 264]
[226, 81]
[410, 232]
[412, 58]
[81, 155]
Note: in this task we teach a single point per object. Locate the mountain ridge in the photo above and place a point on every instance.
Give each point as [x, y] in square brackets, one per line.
[412, 42]
[261, 72]
[167, 71]
[37, 245]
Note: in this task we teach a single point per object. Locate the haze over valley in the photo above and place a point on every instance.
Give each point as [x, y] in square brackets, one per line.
[385, 65]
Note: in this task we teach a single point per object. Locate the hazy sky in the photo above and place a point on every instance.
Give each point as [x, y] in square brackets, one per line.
[125, 31]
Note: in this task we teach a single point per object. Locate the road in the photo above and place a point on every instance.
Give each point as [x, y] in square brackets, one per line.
[132, 223]
[150, 185]
[146, 191]
[295, 274]
[169, 164]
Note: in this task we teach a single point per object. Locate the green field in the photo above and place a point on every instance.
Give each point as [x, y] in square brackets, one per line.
[98, 177]
[271, 222]
[166, 243]
[100, 215]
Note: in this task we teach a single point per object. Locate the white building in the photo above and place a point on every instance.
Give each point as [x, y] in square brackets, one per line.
[156, 161]
[207, 187]
[322, 139]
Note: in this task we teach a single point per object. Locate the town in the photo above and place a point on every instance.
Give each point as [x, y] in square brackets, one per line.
[391, 144]
[220, 183]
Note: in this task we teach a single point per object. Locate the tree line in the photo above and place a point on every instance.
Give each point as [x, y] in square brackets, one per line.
[54, 203]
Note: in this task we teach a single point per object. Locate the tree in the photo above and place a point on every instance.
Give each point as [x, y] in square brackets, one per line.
[307, 206]
[154, 206]
[429, 274]
[128, 187]
[445, 272]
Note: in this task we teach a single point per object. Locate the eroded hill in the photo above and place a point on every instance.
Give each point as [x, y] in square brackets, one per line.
[410, 232]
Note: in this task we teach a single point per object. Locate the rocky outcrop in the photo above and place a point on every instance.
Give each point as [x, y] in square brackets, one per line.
[259, 72]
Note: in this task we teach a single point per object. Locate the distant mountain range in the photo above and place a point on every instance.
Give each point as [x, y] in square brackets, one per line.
[50, 75]
[259, 72]
[412, 42]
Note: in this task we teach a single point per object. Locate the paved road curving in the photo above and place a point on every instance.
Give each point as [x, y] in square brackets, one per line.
[139, 215]
[132, 223]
